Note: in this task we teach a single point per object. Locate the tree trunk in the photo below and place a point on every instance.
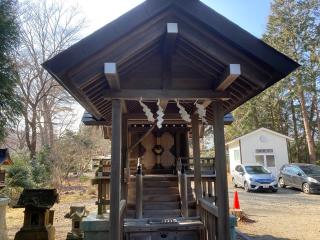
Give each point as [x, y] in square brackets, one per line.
[47, 115]
[307, 127]
[41, 130]
[295, 130]
[33, 125]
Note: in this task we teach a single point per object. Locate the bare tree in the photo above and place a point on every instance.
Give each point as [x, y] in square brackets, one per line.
[47, 28]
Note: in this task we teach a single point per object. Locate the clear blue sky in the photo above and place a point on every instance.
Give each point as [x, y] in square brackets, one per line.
[252, 15]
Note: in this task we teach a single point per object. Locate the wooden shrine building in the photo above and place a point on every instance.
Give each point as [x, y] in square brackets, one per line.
[167, 59]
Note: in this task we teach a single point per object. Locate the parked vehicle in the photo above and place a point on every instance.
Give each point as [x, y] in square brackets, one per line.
[254, 177]
[302, 176]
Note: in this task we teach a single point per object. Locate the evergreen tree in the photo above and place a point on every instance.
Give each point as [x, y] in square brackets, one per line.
[10, 105]
[291, 106]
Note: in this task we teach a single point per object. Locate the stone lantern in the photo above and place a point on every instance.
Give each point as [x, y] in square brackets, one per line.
[38, 218]
[76, 214]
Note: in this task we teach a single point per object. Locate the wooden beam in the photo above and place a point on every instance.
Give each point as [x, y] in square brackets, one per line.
[171, 38]
[205, 103]
[196, 155]
[164, 104]
[219, 50]
[221, 185]
[153, 94]
[209, 207]
[141, 139]
[232, 72]
[110, 71]
[168, 49]
[115, 182]
[124, 106]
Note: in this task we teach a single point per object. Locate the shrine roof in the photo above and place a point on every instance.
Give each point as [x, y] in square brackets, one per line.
[167, 50]
[38, 198]
[5, 158]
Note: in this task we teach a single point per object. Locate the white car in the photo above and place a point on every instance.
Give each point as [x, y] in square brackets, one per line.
[254, 177]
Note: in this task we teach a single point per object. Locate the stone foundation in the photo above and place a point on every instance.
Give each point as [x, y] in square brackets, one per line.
[96, 228]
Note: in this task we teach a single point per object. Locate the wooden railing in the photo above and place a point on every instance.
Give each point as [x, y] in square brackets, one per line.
[207, 174]
[122, 208]
[207, 165]
[183, 190]
[209, 217]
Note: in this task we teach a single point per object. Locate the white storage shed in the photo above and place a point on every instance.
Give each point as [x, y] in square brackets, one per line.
[262, 146]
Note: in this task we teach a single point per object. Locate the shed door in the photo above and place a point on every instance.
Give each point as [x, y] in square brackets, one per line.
[268, 161]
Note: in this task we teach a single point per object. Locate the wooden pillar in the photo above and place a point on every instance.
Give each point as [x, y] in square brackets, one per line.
[221, 185]
[125, 159]
[184, 193]
[178, 147]
[204, 188]
[139, 193]
[115, 171]
[210, 191]
[196, 155]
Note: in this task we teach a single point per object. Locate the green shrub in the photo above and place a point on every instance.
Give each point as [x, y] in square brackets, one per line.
[19, 175]
[84, 179]
[11, 192]
[41, 167]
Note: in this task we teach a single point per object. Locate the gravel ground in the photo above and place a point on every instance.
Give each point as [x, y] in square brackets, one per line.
[286, 215]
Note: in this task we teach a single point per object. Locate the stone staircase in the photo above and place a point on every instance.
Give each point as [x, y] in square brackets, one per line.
[161, 197]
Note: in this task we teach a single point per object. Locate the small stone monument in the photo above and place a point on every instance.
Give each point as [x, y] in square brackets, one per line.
[76, 214]
[38, 218]
[3, 226]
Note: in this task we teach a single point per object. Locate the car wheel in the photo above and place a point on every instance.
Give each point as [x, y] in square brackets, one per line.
[281, 183]
[306, 188]
[234, 183]
[246, 187]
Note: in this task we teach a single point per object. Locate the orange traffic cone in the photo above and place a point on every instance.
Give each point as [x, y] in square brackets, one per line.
[236, 211]
[236, 203]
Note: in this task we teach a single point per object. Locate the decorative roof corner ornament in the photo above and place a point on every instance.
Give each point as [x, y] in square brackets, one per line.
[147, 111]
[183, 113]
[201, 112]
[160, 114]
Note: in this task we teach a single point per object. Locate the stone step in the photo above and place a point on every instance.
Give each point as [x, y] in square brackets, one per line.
[161, 198]
[161, 205]
[156, 206]
[169, 190]
[160, 184]
[161, 213]
[157, 178]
